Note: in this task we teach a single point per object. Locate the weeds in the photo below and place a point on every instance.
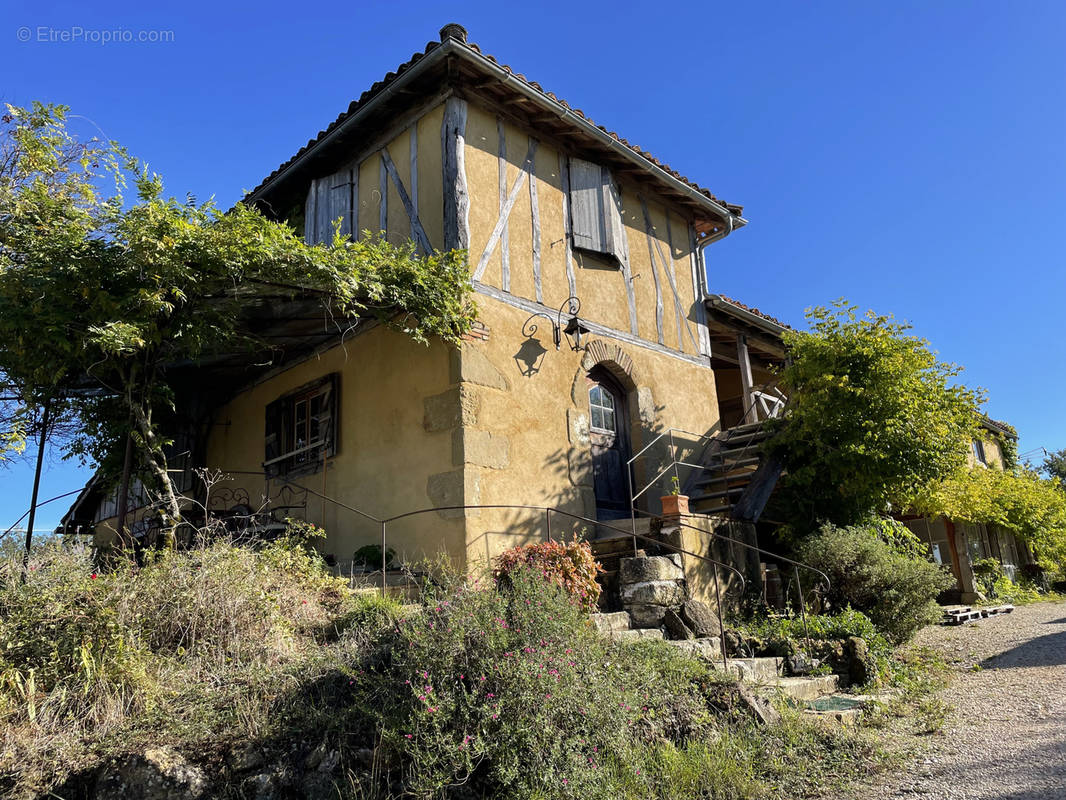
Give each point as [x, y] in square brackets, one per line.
[486, 691]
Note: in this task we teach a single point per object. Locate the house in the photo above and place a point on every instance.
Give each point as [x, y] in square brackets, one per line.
[958, 544]
[601, 366]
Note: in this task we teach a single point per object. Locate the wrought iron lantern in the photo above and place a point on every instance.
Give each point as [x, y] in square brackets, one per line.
[573, 329]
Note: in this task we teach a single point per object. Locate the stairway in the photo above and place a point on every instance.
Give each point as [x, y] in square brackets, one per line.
[765, 675]
[609, 550]
[731, 463]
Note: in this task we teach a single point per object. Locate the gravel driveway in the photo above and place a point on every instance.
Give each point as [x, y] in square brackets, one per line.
[1006, 736]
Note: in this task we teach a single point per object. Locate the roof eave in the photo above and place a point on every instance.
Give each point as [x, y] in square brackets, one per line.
[454, 48]
[719, 302]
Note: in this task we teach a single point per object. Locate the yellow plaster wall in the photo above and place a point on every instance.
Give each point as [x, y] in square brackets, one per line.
[600, 285]
[430, 187]
[541, 422]
[385, 455]
[993, 452]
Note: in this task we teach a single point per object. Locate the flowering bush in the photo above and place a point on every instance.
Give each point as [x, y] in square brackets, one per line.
[570, 566]
[512, 689]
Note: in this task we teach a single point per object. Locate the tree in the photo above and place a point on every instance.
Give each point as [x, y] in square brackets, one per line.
[1019, 500]
[1055, 466]
[102, 299]
[873, 416]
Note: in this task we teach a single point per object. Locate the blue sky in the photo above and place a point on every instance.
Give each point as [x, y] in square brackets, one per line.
[907, 156]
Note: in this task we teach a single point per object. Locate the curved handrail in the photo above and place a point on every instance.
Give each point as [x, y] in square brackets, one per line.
[548, 511]
[771, 553]
[553, 510]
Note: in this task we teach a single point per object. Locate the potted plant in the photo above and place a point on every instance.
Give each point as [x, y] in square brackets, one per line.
[675, 504]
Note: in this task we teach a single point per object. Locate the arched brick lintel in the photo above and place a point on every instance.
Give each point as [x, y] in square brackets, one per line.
[611, 357]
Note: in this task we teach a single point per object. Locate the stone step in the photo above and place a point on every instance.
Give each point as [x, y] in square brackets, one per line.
[805, 688]
[610, 622]
[636, 635]
[709, 648]
[758, 670]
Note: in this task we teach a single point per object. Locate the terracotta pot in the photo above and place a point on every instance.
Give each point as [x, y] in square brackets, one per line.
[675, 505]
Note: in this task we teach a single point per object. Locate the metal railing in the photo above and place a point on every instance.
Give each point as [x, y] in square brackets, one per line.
[547, 511]
[760, 398]
[796, 567]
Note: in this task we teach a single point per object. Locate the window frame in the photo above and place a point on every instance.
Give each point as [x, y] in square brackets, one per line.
[602, 408]
[978, 449]
[285, 452]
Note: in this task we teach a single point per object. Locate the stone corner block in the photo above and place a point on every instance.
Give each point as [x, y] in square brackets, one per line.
[450, 409]
[455, 488]
[650, 568]
[481, 448]
[470, 365]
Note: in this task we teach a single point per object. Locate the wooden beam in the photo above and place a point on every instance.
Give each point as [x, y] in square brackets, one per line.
[564, 172]
[505, 212]
[745, 378]
[456, 196]
[505, 245]
[534, 207]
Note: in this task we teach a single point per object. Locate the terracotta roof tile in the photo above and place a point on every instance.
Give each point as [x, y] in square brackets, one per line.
[755, 311]
[377, 87]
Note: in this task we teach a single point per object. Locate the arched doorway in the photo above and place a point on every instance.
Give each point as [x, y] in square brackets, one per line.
[609, 441]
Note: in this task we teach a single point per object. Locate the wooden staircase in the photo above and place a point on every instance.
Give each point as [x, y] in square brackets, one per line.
[732, 460]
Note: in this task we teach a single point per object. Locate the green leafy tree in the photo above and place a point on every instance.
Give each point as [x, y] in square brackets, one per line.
[1055, 466]
[873, 417]
[104, 297]
[1022, 501]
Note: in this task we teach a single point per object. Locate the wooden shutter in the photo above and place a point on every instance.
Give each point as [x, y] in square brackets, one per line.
[587, 206]
[327, 418]
[275, 435]
[340, 202]
[617, 245]
[327, 199]
[309, 214]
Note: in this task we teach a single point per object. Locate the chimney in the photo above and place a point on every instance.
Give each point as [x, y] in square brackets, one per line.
[453, 30]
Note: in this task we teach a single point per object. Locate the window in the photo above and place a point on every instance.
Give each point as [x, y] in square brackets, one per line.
[595, 210]
[301, 428]
[979, 452]
[602, 410]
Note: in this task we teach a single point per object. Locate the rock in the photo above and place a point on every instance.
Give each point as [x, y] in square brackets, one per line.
[676, 627]
[652, 568]
[802, 664]
[700, 618]
[246, 758]
[708, 649]
[615, 621]
[861, 665]
[157, 774]
[264, 786]
[647, 616]
[760, 709]
[657, 593]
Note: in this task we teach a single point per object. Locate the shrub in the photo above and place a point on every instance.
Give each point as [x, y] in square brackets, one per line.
[512, 688]
[571, 566]
[987, 571]
[894, 590]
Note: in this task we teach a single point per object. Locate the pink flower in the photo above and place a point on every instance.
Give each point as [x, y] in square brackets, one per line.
[409, 736]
